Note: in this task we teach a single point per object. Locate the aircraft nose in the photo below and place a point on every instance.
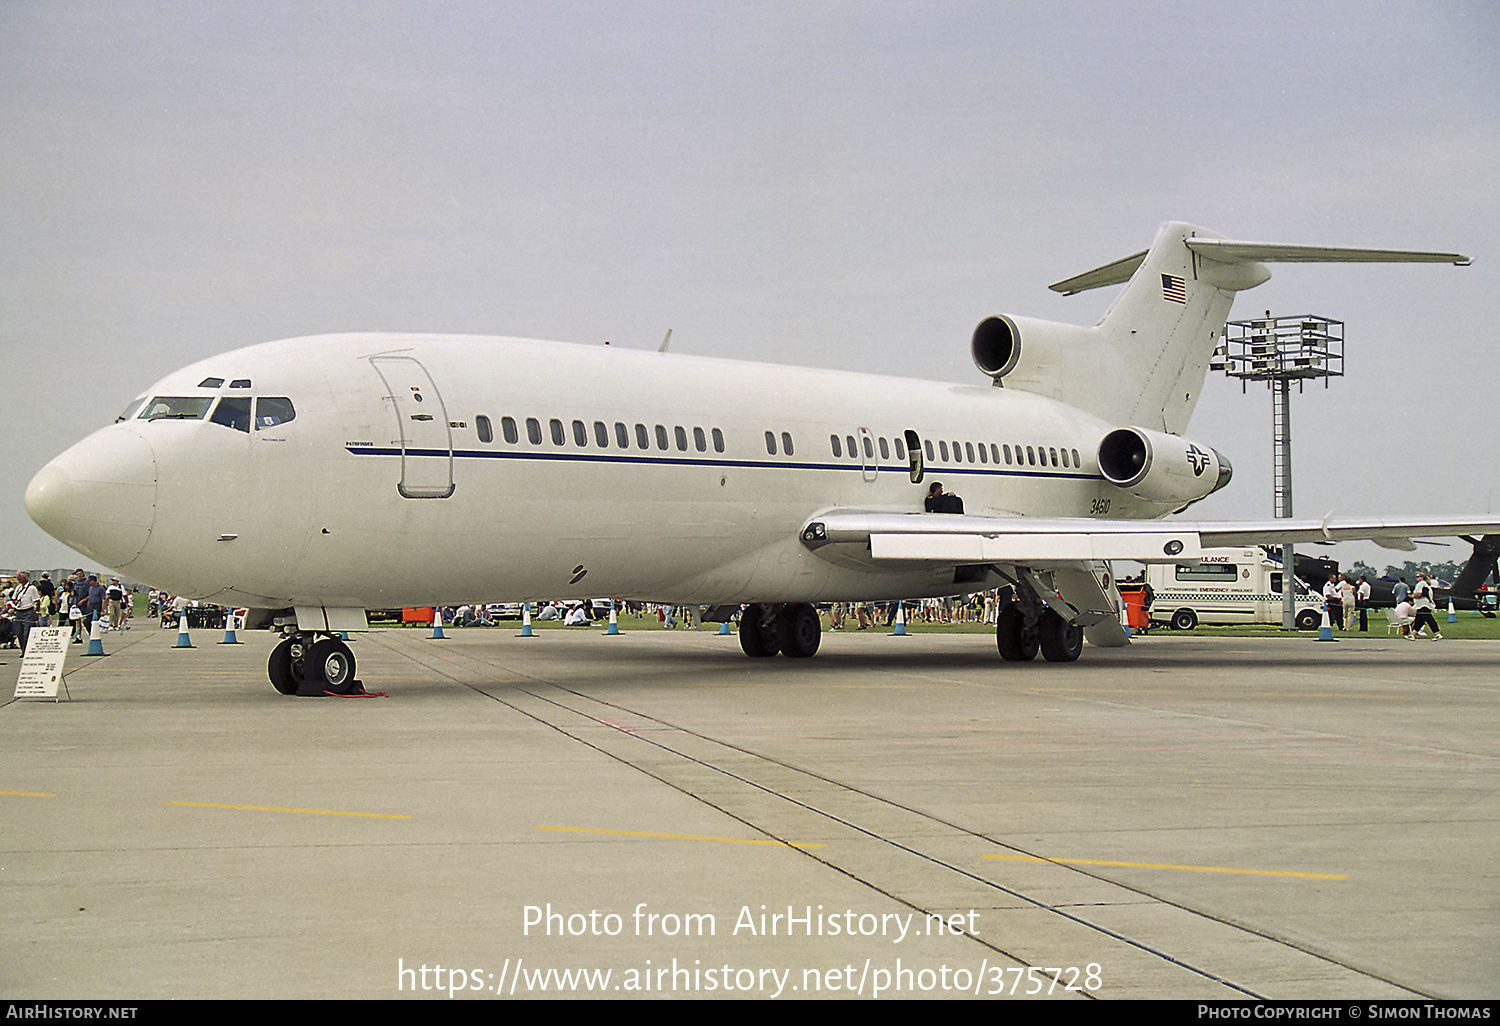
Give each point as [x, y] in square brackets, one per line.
[99, 497]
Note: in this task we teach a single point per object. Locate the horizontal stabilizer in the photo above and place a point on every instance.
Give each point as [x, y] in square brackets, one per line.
[1110, 274]
[1228, 251]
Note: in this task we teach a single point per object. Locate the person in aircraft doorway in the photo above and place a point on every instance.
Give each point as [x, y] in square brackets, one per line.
[939, 501]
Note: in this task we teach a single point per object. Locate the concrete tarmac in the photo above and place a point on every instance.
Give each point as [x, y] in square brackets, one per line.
[1188, 818]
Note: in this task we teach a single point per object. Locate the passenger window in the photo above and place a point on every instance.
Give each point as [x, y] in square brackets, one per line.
[233, 413]
[622, 435]
[994, 454]
[273, 410]
[771, 442]
[559, 436]
[642, 439]
[833, 442]
[681, 435]
[483, 428]
[601, 434]
[885, 449]
[177, 407]
[853, 452]
[1053, 453]
[943, 449]
[927, 444]
[1006, 450]
[983, 456]
[786, 443]
[1065, 457]
[718, 440]
[508, 429]
[969, 451]
[900, 449]
[661, 437]
[700, 441]
[1076, 461]
[1030, 456]
[869, 449]
[580, 434]
[534, 430]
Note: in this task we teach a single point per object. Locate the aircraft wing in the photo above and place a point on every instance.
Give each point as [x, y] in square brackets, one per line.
[1055, 542]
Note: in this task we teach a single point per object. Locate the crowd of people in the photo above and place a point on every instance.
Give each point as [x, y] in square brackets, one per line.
[78, 601]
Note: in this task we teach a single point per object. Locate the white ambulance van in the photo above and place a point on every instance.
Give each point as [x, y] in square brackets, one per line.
[1229, 586]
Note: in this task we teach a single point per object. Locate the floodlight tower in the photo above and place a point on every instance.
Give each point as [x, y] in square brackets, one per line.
[1279, 351]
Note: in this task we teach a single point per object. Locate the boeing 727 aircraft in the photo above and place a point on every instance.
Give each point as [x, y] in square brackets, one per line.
[312, 479]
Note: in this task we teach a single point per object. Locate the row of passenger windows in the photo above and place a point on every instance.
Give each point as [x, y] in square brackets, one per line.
[622, 436]
[960, 452]
[1029, 456]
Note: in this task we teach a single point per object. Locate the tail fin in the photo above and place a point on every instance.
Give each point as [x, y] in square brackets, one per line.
[1145, 362]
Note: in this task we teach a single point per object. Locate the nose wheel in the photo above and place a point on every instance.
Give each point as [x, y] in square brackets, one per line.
[306, 665]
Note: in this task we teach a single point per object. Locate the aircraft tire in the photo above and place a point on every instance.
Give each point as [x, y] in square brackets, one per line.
[757, 638]
[1061, 642]
[1010, 636]
[332, 664]
[279, 668]
[1184, 620]
[798, 630]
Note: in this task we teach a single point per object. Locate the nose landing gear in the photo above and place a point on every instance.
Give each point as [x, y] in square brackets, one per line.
[307, 665]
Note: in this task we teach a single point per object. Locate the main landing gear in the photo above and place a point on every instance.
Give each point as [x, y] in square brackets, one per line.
[1027, 625]
[310, 665]
[791, 628]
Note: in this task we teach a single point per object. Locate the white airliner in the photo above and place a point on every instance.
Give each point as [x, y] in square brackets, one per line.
[315, 478]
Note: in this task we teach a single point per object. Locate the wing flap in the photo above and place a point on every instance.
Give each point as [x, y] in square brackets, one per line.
[1038, 541]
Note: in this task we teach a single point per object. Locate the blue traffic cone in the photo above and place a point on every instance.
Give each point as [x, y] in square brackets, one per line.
[614, 625]
[900, 626]
[96, 640]
[183, 641]
[437, 625]
[526, 631]
[724, 628]
[1325, 632]
[1452, 613]
[229, 638]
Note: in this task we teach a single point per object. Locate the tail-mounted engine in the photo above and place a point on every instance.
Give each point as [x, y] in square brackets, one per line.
[1025, 348]
[1161, 468]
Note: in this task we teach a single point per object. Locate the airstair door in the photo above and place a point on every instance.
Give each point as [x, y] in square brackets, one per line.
[423, 432]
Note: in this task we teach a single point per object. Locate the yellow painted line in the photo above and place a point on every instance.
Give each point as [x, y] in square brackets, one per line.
[28, 794]
[1163, 865]
[677, 837]
[274, 808]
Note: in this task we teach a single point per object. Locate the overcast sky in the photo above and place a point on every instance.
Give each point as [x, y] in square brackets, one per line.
[845, 184]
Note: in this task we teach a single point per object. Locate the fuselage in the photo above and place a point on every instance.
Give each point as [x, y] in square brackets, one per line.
[383, 470]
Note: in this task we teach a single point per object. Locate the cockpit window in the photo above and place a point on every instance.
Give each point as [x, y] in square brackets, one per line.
[233, 412]
[273, 410]
[177, 407]
[210, 382]
[240, 383]
[131, 410]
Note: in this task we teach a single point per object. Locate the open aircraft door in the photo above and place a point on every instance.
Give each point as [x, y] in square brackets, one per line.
[425, 438]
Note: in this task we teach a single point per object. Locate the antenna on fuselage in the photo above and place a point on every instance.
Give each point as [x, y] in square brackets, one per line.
[665, 342]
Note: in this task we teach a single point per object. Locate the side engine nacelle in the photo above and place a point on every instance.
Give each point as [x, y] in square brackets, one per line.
[1161, 468]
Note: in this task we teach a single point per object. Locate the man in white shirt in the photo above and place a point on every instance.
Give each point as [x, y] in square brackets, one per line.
[25, 597]
[1362, 599]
